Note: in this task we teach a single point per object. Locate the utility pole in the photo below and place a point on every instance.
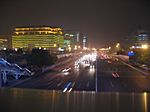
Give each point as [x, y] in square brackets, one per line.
[0, 78]
[96, 88]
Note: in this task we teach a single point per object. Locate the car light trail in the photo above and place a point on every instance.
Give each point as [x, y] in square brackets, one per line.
[65, 90]
[114, 74]
[70, 90]
[67, 87]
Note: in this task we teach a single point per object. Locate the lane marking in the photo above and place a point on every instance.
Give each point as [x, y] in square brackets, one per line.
[111, 84]
[70, 90]
[73, 84]
[124, 84]
[59, 83]
[79, 85]
[65, 90]
[50, 84]
[88, 84]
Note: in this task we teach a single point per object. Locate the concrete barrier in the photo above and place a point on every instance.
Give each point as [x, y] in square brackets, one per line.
[123, 57]
[63, 55]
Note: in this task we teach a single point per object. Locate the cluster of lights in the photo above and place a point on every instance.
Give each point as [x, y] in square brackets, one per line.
[104, 55]
[88, 58]
[75, 47]
[144, 46]
[105, 49]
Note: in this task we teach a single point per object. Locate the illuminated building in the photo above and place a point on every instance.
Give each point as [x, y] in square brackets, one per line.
[141, 40]
[67, 40]
[3, 42]
[73, 40]
[84, 42]
[38, 37]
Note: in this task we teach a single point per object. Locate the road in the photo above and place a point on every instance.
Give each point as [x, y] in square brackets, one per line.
[77, 79]
[129, 80]
[84, 79]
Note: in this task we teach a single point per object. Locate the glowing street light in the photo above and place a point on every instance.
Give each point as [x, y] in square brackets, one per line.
[144, 46]
[4, 48]
[94, 49]
[118, 44]
[133, 47]
[69, 48]
[16, 49]
[75, 47]
[55, 45]
[84, 48]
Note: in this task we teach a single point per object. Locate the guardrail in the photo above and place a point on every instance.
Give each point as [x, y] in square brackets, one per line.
[12, 69]
[123, 57]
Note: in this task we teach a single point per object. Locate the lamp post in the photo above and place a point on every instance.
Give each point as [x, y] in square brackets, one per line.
[117, 45]
[0, 78]
[96, 87]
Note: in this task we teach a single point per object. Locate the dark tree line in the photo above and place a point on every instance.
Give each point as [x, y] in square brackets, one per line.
[141, 56]
[40, 58]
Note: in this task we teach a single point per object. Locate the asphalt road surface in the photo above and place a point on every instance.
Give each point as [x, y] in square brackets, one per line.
[128, 79]
[86, 79]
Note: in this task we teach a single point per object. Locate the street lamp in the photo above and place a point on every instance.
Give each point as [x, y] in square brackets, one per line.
[118, 45]
[69, 48]
[75, 47]
[145, 46]
[55, 45]
[84, 48]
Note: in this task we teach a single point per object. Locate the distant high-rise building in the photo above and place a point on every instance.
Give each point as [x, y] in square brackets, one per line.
[142, 38]
[72, 40]
[3, 42]
[84, 42]
[38, 37]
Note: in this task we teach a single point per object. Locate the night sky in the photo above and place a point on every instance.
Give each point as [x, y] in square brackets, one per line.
[104, 22]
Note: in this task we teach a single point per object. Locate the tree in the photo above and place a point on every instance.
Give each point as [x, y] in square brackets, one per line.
[41, 58]
[142, 56]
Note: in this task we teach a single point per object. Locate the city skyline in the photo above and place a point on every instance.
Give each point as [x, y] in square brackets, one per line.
[103, 22]
[75, 55]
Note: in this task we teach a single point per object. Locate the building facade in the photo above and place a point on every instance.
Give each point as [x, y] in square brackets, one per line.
[3, 43]
[142, 38]
[73, 40]
[38, 37]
